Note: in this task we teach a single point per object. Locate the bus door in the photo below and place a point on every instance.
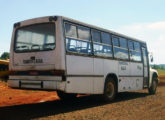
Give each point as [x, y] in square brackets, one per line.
[145, 67]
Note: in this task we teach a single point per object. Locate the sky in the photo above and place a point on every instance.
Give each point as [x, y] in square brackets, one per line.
[141, 19]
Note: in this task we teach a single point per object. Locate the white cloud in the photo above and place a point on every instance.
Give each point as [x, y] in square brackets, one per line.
[152, 33]
[157, 25]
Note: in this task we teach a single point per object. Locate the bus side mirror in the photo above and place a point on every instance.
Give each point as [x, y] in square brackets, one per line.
[151, 58]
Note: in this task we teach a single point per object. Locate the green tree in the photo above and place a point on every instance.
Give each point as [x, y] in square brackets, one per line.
[5, 56]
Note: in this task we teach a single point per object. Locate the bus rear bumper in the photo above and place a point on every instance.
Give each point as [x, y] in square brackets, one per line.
[38, 85]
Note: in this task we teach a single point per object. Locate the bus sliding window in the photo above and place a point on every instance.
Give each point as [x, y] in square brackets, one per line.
[135, 56]
[78, 46]
[96, 37]
[83, 33]
[121, 53]
[70, 30]
[102, 50]
[106, 38]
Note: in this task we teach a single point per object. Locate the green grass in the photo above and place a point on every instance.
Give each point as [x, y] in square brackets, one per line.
[161, 72]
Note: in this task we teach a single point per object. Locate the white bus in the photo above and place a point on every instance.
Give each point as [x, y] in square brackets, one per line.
[72, 57]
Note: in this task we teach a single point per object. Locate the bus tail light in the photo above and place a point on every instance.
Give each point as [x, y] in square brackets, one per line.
[12, 72]
[33, 73]
[57, 72]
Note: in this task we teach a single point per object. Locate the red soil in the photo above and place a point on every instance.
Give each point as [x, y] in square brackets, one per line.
[9, 96]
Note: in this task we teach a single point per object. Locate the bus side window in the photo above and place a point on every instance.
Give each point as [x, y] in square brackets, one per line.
[78, 46]
[106, 38]
[103, 48]
[120, 53]
[70, 30]
[136, 46]
[135, 56]
[77, 39]
[123, 43]
[115, 41]
[96, 37]
[130, 44]
[83, 33]
[134, 51]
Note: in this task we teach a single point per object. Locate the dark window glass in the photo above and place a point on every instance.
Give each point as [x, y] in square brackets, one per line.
[96, 36]
[102, 50]
[123, 43]
[115, 41]
[78, 46]
[3, 67]
[121, 53]
[144, 57]
[105, 37]
[135, 56]
[130, 43]
[83, 33]
[137, 46]
[70, 30]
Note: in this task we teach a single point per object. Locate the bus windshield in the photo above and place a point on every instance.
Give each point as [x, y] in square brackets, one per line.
[38, 37]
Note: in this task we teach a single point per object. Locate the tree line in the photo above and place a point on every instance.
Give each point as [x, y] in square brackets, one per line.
[5, 56]
[155, 66]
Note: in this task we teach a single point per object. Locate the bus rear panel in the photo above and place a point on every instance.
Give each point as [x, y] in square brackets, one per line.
[37, 55]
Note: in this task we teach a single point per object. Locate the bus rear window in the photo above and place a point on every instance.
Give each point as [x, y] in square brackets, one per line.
[39, 37]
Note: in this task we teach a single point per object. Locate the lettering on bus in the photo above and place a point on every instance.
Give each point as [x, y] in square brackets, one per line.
[123, 67]
[32, 61]
[139, 67]
[123, 63]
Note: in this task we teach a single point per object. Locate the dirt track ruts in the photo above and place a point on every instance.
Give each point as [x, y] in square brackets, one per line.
[127, 106]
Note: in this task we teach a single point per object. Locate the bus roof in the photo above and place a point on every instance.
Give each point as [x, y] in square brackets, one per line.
[87, 25]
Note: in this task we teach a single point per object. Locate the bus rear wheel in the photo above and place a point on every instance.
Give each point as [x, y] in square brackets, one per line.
[152, 89]
[109, 90]
[66, 96]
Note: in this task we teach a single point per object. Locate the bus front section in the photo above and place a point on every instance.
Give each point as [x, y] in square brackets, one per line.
[37, 55]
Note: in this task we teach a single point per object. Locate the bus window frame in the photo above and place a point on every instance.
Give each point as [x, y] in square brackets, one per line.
[65, 37]
[16, 30]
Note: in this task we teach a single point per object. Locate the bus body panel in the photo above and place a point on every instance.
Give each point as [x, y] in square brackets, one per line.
[130, 83]
[79, 74]
[88, 77]
[79, 65]
[98, 80]
[136, 69]
[98, 66]
[124, 68]
[79, 85]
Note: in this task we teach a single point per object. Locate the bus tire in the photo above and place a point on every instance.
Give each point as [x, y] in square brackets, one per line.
[109, 90]
[152, 89]
[66, 96]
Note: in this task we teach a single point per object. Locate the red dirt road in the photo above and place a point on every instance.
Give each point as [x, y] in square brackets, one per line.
[10, 97]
